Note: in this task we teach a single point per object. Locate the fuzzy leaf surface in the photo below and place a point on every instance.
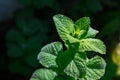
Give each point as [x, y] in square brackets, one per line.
[43, 74]
[64, 26]
[90, 44]
[48, 54]
[86, 69]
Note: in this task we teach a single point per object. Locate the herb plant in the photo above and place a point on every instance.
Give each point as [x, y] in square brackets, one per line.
[72, 63]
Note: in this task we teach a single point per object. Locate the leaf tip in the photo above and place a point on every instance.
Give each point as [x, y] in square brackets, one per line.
[57, 16]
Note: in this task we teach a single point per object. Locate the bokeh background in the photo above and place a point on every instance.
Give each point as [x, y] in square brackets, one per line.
[27, 25]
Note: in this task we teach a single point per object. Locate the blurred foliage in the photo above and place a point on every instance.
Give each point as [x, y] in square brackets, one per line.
[24, 42]
[34, 29]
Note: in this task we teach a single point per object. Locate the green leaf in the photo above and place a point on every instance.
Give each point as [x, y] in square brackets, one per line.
[91, 33]
[82, 26]
[90, 44]
[95, 68]
[96, 62]
[43, 74]
[86, 69]
[64, 26]
[76, 68]
[48, 54]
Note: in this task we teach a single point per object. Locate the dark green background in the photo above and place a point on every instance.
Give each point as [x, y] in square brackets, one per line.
[31, 27]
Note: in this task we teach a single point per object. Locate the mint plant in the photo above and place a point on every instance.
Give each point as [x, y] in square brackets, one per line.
[72, 63]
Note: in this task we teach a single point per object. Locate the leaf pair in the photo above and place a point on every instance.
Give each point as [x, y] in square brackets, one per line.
[79, 67]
